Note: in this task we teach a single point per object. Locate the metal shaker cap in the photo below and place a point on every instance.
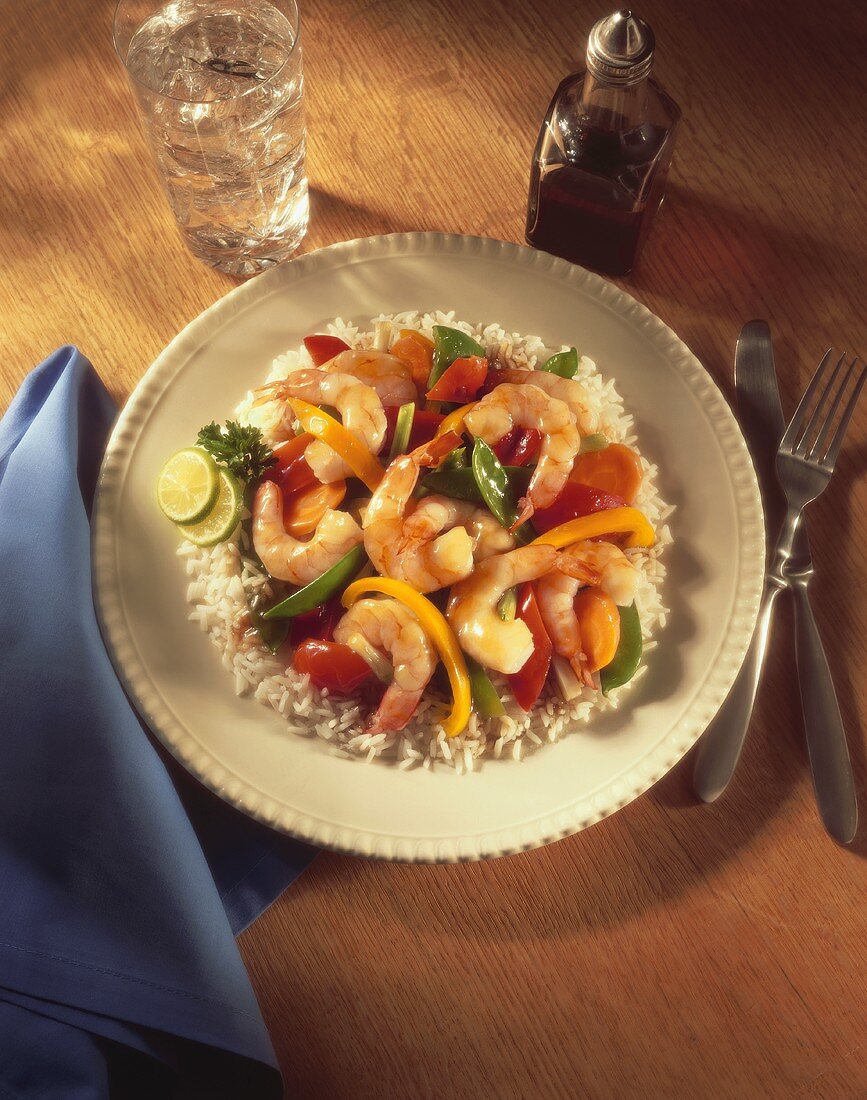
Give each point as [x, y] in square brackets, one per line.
[620, 49]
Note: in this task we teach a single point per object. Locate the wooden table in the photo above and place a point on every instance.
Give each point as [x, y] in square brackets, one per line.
[675, 950]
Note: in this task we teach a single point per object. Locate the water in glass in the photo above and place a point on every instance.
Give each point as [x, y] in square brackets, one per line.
[221, 88]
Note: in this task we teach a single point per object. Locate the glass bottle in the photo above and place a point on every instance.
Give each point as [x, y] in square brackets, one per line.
[602, 158]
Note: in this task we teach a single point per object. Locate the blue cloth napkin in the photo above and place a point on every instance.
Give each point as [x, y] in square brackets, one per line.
[122, 880]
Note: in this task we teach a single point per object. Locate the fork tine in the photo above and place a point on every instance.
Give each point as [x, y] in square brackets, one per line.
[831, 455]
[797, 420]
[824, 429]
[817, 420]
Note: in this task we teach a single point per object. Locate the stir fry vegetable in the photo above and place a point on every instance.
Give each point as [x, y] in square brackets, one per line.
[454, 422]
[363, 464]
[402, 430]
[461, 381]
[424, 427]
[486, 701]
[628, 656]
[417, 352]
[439, 632]
[317, 592]
[322, 348]
[450, 344]
[528, 681]
[614, 521]
[599, 625]
[460, 483]
[616, 469]
[332, 666]
[519, 447]
[576, 500]
[497, 491]
[564, 363]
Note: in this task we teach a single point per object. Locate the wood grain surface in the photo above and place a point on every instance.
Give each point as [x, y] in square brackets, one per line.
[675, 950]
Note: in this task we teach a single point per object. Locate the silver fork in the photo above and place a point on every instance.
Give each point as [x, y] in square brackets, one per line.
[805, 463]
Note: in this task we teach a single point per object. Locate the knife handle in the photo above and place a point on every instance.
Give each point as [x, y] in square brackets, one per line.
[720, 746]
[823, 726]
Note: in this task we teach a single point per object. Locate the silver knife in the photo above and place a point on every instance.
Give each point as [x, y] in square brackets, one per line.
[761, 416]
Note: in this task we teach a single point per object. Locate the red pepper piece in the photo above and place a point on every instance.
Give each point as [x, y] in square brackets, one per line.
[461, 381]
[574, 501]
[527, 682]
[321, 348]
[332, 665]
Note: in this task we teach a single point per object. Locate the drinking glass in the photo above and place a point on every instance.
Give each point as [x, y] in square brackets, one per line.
[221, 95]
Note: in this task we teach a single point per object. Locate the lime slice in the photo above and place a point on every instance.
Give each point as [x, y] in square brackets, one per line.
[188, 485]
[222, 519]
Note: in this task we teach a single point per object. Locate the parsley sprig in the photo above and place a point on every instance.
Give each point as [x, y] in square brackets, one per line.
[240, 447]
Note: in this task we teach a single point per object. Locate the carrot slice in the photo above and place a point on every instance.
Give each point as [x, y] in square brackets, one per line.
[615, 469]
[599, 624]
[417, 352]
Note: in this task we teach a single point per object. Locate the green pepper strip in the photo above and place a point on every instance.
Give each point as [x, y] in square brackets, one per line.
[323, 588]
[564, 363]
[626, 660]
[450, 344]
[497, 491]
[402, 429]
[486, 702]
[460, 482]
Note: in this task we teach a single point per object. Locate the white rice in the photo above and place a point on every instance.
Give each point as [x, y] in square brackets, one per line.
[223, 579]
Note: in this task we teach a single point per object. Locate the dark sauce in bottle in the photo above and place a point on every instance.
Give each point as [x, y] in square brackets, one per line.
[600, 167]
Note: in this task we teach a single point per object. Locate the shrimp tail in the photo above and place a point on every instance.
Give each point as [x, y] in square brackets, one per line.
[572, 566]
[394, 711]
[525, 511]
[431, 454]
[269, 392]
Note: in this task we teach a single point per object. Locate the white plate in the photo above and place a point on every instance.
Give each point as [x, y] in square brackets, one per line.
[238, 747]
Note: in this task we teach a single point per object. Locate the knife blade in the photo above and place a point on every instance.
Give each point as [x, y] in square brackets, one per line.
[761, 417]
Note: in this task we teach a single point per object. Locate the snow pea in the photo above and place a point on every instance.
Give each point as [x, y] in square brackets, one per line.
[450, 344]
[333, 580]
[498, 489]
[460, 482]
[486, 701]
[564, 363]
[621, 670]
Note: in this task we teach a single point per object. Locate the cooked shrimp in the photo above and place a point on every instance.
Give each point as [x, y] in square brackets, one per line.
[359, 406]
[392, 629]
[285, 557]
[555, 595]
[426, 565]
[617, 575]
[564, 389]
[435, 514]
[528, 406]
[388, 375]
[472, 608]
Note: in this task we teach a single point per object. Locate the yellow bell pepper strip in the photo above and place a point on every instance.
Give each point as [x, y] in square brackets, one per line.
[611, 521]
[440, 633]
[454, 421]
[363, 464]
